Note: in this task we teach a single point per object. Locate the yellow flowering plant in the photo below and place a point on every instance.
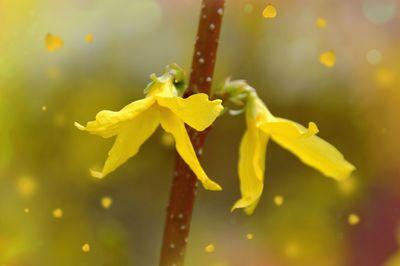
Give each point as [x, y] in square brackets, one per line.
[262, 126]
[163, 104]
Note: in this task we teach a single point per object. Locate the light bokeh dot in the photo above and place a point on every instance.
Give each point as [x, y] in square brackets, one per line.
[328, 59]
[27, 186]
[210, 248]
[292, 250]
[86, 247]
[248, 8]
[58, 213]
[269, 12]
[167, 139]
[379, 11]
[278, 200]
[321, 23]
[374, 56]
[106, 202]
[89, 38]
[353, 219]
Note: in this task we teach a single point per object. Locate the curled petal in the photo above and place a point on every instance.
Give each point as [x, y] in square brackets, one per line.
[287, 128]
[197, 110]
[315, 152]
[251, 168]
[175, 126]
[129, 140]
[110, 123]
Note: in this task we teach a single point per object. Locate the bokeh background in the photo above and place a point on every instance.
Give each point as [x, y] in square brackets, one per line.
[45, 161]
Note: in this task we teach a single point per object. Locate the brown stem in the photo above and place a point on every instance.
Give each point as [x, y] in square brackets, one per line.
[183, 190]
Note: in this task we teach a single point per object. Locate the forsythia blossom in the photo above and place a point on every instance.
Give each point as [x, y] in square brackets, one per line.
[303, 142]
[137, 121]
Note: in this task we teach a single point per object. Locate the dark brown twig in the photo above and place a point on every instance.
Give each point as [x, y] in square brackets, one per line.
[183, 190]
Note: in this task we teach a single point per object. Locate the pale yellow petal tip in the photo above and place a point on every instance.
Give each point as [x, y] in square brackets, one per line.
[311, 130]
[220, 107]
[348, 169]
[249, 210]
[218, 102]
[79, 126]
[96, 174]
[209, 185]
[245, 204]
[234, 207]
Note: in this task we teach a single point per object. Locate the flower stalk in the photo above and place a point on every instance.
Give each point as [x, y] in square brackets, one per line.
[183, 189]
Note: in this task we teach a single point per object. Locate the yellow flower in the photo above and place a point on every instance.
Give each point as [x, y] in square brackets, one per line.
[137, 121]
[303, 142]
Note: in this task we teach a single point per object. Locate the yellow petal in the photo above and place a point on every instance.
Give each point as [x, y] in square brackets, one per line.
[269, 11]
[130, 138]
[313, 151]
[53, 42]
[328, 59]
[288, 128]
[109, 123]
[161, 87]
[175, 126]
[251, 167]
[196, 111]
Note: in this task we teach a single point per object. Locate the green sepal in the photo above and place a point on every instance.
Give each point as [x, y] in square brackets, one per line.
[171, 72]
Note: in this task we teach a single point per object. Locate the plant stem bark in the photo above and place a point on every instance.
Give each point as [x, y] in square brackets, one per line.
[183, 190]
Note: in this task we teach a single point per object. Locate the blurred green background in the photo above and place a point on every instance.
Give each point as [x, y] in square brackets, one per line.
[45, 161]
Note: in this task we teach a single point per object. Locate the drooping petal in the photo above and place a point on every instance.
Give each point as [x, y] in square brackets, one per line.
[251, 167]
[129, 140]
[197, 110]
[288, 128]
[311, 149]
[110, 123]
[175, 126]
